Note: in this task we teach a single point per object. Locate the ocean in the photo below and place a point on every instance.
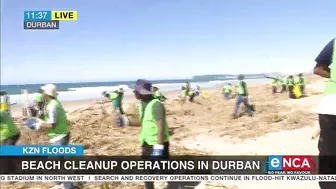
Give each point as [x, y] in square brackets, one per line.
[93, 90]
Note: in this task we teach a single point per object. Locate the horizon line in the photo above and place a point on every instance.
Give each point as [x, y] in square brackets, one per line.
[131, 79]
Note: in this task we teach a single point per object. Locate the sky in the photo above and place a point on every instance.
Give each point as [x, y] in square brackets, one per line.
[163, 39]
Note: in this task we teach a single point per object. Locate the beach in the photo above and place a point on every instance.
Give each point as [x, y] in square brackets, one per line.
[280, 126]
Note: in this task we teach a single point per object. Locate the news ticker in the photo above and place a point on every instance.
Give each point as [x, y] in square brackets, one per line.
[169, 178]
[47, 19]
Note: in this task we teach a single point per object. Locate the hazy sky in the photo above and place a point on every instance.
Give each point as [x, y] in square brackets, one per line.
[128, 39]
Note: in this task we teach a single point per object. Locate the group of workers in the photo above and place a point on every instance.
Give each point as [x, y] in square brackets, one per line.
[291, 85]
[154, 134]
[288, 84]
[241, 94]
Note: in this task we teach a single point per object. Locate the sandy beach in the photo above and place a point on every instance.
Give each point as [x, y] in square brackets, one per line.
[280, 126]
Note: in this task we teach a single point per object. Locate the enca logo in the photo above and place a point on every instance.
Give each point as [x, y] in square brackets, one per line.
[290, 163]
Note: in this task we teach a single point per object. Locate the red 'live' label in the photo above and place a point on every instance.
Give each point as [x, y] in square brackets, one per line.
[297, 163]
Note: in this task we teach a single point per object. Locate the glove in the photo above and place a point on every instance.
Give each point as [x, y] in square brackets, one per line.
[33, 124]
[157, 150]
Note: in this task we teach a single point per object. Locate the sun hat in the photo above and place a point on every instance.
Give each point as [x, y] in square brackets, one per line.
[50, 89]
[143, 87]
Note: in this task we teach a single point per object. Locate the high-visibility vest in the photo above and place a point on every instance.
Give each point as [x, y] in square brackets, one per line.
[149, 128]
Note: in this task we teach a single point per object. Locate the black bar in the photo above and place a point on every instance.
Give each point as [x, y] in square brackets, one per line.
[226, 165]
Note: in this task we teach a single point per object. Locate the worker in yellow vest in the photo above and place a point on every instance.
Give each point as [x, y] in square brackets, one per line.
[326, 68]
[284, 83]
[187, 94]
[9, 134]
[302, 83]
[116, 97]
[154, 134]
[274, 86]
[242, 97]
[227, 90]
[54, 123]
[183, 95]
[291, 84]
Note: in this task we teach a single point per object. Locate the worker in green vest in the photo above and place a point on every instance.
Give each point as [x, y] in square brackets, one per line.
[274, 86]
[284, 83]
[158, 95]
[302, 83]
[154, 134]
[291, 84]
[326, 68]
[183, 94]
[296, 80]
[9, 134]
[242, 97]
[227, 90]
[116, 97]
[54, 123]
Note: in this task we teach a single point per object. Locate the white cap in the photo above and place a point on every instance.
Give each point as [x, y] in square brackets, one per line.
[49, 89]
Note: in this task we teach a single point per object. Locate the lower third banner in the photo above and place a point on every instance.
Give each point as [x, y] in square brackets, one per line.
[189, 165]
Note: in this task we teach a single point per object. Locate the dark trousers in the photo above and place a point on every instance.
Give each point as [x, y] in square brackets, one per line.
[192, 97]
[291, 92]
[327, 148]
[242, 100]
[146, 152]
[302, 89]
[120, 109]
